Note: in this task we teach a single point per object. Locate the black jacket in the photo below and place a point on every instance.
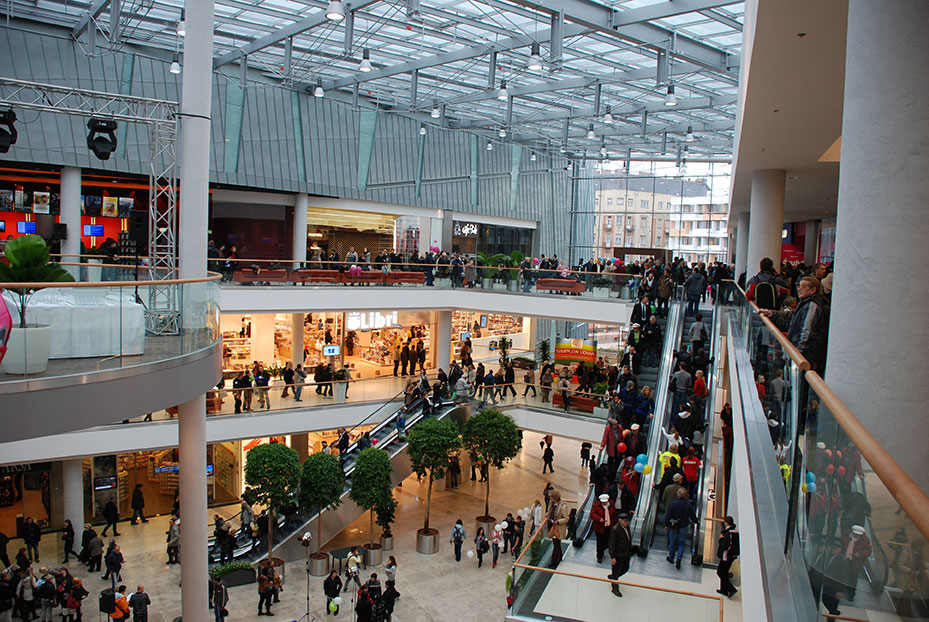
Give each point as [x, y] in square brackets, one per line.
[111, 512]
[809, 330]
[620, 543]
[32, 533]
[138, 500]
[332, 586]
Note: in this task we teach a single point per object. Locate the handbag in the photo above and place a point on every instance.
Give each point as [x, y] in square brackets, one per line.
[72, 603]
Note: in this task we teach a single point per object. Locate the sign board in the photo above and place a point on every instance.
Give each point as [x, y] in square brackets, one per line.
[330, 350]
[465, 229]
[575, 351]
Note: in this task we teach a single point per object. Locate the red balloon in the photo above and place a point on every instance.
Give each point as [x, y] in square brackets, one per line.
[627, 432]
[621, 448]
[841, 471]
[838, 454]
[830, 469]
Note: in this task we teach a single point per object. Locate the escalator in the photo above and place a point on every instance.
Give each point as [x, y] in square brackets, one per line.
[292, 523]
[645, 534]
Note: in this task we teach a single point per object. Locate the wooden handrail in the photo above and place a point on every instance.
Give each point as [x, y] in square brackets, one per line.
[901, 486]
[832, 616]
[211, 276]
[626, 583]
[531, 540]
[782, 339]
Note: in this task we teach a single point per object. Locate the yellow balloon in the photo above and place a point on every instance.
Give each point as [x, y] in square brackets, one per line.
[804, 487]
[647, 469]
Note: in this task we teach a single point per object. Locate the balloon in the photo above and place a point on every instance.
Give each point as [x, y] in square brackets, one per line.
[504, 524]
[810, 477]
[830, 469]
[811, 486]
[647, 469]
[641, 458]
[615, 262]
[497, 527]
[337, 600]
[841, 471]
[333, 606]
[804, 487]
[838, 454]
[639, 467]
[828, 452]
[374, 441]
[627, 432]
[621, 448]
[470, 554]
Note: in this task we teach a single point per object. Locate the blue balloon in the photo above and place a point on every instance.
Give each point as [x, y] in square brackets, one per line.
[639, 467]
[811, 487]
[811, 477]
[641, 458]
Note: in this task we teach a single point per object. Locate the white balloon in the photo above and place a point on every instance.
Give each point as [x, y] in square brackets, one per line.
[337, 600]
[470, 554]
[497, 527]
[504, 524]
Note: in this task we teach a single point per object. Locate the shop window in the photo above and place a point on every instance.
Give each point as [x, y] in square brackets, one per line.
[644, 203]
[628, 202]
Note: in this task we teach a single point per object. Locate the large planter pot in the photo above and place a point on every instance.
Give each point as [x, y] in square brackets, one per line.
[513, 286]
[487, 522]
[27, 350]
[427, 542]
[445, 282]
[319, 566]
[487, 283]
[387, 542]
[601, 292]
[339, 389]
[239, 577]
[500, 286]
[601, 413]
[94, 270]
[374, 555]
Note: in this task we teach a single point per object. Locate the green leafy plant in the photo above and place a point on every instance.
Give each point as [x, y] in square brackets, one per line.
[493, 438]
[371, 484]
[429, 445]
[226, 569]
[321, 485]
[385, 514]
[341, 374]
[490, 264]
[503, 346]
[29, 263]
[272, 474]
[544, 351]
[600, 390]
[275, 371]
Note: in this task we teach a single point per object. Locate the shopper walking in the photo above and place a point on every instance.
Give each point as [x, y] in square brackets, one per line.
[481, 545]
[32, 534]
[603, 516]
[219, 598]
[457, 536]
[353, 567]
[94, 553]
[114, 564]
[288, 376]
[727, 551]
[677, 518]
[332, 587]
[111, 516]
[173, 541]
[389, 598]
[299, 380]
[557, 525]
[138, 505]
[139, 602]
[67, 536]
[265, 592]
[547, 456]
[620, 546]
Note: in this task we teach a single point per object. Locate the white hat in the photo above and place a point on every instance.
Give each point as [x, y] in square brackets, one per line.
[858, 530]
[604, 498]
[634, 426]
[820, 445]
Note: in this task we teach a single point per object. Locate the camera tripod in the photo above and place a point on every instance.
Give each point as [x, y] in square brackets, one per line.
[307, 616]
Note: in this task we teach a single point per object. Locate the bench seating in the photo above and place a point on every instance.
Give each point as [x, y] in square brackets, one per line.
[561, 285]
[405, 277]
[262, 276]
[577, 401]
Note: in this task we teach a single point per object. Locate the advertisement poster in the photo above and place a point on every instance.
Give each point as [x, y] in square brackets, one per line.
[23, 200]
[40, 202]
[110, 207]
[6, 200]
[574, 351]
[93, 205]
[125, 206]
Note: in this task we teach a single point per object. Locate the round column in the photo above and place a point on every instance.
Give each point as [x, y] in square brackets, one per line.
[296, 337]
[71, 212]
[767, 220]
[299, 233]
[73, 492]
[193, 500]
[877, 337]
[741, 245]
[811, 243]
[443, 339]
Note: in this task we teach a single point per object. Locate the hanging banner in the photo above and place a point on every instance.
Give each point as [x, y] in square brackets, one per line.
[575, 351]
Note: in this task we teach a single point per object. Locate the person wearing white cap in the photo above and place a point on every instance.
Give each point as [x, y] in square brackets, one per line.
[856, 548]
[603, 516]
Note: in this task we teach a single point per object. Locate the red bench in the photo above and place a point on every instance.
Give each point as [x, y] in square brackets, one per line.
[561, 285]
[315, 276]
[375, 277]
[260, 276]
[577, 401]
[406, 277]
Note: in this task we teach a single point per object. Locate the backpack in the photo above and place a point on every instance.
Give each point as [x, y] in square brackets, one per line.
[765, 295]
[458, 533]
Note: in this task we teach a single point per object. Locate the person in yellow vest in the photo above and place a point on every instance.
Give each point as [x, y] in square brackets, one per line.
[785, 473]
[665, 458]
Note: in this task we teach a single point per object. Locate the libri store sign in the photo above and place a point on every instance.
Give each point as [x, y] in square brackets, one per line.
[370, 321]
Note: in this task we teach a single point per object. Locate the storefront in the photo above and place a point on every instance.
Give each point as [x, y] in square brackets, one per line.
[485, 330]
[24, 492]
[472, 237]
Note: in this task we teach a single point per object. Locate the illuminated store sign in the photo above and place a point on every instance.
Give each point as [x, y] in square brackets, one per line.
[465, 229]
[371, 320]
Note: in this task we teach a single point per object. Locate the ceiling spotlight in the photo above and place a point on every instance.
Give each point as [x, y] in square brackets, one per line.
[535, 58]
[563, 149]
[607, 116]
[502, 94]
[590, 132]
[490, 146]
[603, 151]
[690, 134]
[502, 132]
[175, 64]
[671, 98]
[181, 27]
[318, 91]
[8, 133]
[532, 157]
[422, 129]
[335, 12]
[365, 61]
[435, 110]
[102, 137]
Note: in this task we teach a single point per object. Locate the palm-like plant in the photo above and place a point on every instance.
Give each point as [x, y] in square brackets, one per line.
[29, 263]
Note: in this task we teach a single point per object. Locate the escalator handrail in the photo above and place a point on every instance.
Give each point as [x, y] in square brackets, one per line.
[674, 329]
[581, 534]
[703, 482]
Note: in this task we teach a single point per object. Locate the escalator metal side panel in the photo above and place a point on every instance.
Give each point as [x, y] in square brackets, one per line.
[703, 486]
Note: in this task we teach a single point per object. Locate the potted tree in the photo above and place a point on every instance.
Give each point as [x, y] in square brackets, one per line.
[321, 484]
[28, 346]
[429, 445]
[488, 272]
[372, 488]
[384, 518]
[544, 351]
[515, 258]
[503, 346]
[272, 474]
[601, 406]
[493, 438]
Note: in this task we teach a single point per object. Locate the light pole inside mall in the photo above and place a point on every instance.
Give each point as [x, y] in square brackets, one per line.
[305, 540]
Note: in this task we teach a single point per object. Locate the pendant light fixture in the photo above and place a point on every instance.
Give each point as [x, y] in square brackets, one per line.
[335, 11]
[502, 132]
[502, 94]
[532, 157]
[175, 64]
[490, 146]
[607, 116]
[365, 61]
[690, 134]
[535, 58]
[318, 91]
[435, 114]
[181, 27]
[670, 99]
[422, 129]
[591, 135]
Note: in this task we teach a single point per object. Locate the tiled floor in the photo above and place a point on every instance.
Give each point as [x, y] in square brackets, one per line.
[434, 587]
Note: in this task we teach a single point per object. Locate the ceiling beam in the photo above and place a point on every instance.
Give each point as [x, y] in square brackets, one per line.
[723, 19]
[663, 10]
[282, 34]
[610, 21]
[465, 53]
[89, 16]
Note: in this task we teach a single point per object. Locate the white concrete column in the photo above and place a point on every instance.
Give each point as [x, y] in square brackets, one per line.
[194, 152]
[296, 338]
[262, 341]
[443, 339]
[767, 221]
[299, 234]
[193, 499]
[741, 245]
[811, 242]
[71, 214]
[72, 484]
[881, 229]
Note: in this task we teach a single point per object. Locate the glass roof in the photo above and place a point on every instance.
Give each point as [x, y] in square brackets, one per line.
[551, 106]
